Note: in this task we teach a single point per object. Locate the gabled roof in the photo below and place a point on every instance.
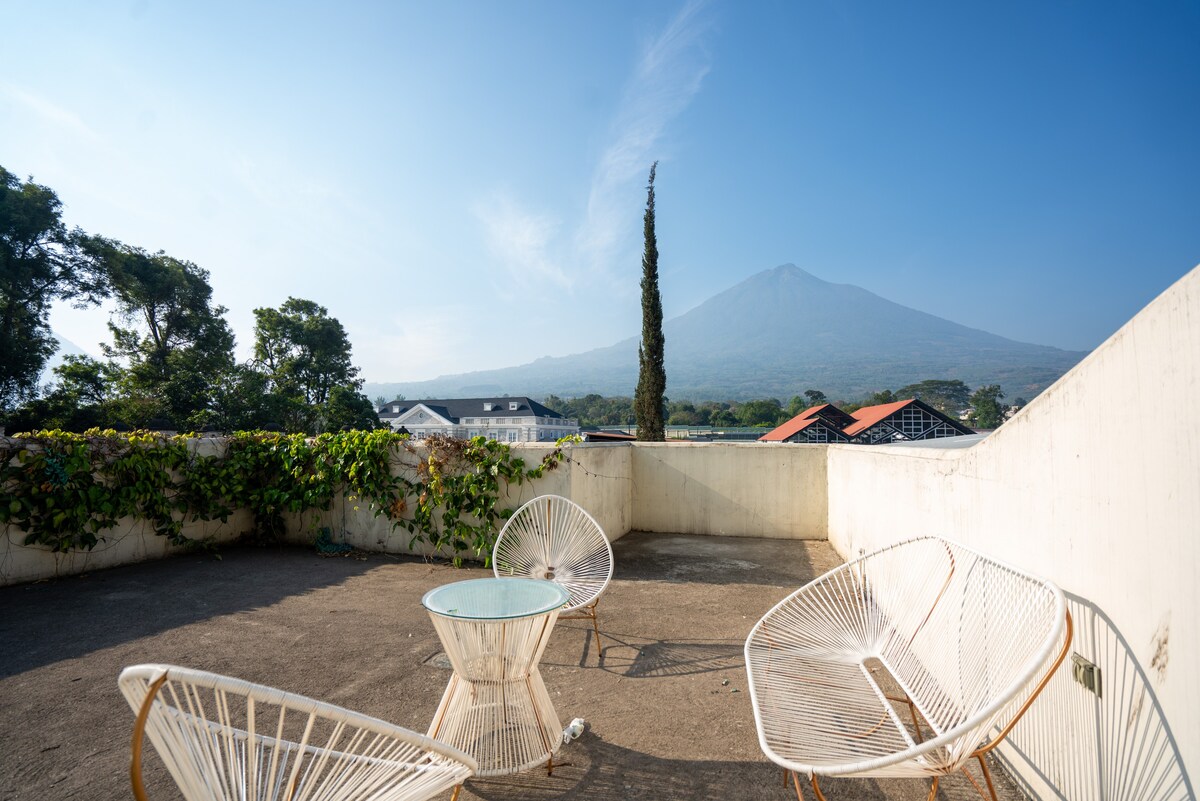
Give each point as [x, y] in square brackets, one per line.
[811, 410]
[441, 415]
[849, 425]
[830, 414]
[454, 409]
[868, 416]
[788, 429]
[826, 413]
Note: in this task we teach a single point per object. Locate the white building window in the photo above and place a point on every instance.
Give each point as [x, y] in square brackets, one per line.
[512, 436]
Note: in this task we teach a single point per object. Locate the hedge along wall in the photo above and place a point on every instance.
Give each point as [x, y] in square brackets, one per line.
[597, 476]
[77, 502]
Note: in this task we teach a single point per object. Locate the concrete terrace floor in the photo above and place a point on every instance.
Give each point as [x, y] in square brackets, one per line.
[666, 703]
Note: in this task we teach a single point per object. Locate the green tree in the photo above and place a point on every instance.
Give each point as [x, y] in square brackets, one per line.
[768, 412]
[77, 401]
[172, 342]
[815, 397]
[40, 261]
[682, 413]
[305, 354]
[347, 410]
[948, 397]
[986, 409]
[884, 396]
[722, 418]
[242, 401]
[652, 375]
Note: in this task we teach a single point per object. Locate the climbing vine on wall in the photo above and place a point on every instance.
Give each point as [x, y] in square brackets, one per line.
[65, 490]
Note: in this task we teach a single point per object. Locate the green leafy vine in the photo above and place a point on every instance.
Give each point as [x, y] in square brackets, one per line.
[65, 490]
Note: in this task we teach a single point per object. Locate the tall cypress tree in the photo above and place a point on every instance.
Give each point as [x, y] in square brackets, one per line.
[652, 376]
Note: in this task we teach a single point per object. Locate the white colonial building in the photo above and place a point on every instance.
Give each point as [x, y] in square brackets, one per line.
[504, 419]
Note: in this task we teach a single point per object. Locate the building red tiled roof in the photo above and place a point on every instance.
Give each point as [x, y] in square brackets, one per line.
[812, 410]
[790, 428]
[868, 416]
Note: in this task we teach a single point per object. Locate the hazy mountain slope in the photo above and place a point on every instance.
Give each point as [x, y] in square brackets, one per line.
[776, 334]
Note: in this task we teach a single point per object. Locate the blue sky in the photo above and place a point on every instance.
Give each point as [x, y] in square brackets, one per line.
[462, 184]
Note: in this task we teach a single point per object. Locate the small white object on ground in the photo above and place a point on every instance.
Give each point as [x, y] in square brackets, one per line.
[573, 730]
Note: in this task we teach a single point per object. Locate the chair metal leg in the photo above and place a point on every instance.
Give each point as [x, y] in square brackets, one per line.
[454, 797]
[796, 782]
[933, 789]
[596, 629]
[987, 776]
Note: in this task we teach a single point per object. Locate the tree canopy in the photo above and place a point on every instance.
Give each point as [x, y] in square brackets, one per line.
[305, 356]
[40, 261]
[986, 409]
[948, 397]
[173, 343]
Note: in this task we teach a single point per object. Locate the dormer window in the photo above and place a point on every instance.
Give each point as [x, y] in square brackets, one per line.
[395, 410]
[513, 406]
[487, 407]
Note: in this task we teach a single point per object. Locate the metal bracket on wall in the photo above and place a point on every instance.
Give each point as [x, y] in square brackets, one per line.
[1086, 674]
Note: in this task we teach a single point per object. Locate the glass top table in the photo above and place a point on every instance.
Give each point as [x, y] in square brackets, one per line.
[496, 706]
[495, 598]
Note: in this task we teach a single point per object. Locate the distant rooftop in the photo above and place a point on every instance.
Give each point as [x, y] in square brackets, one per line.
[455, 409]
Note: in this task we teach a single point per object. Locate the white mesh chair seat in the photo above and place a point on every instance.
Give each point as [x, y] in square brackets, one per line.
[223, 739]
[553, 538]
[907, 662]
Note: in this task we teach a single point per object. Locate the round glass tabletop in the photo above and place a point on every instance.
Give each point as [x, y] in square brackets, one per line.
[495, 598]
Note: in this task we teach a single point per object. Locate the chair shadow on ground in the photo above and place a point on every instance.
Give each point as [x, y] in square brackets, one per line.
[598, 770]
[637, 657]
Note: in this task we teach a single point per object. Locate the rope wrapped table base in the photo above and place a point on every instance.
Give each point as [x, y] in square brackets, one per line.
[496, 707]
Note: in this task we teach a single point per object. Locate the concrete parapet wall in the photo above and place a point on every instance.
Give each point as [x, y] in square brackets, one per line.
[130, 541]
[731, 489]
[1095, 486]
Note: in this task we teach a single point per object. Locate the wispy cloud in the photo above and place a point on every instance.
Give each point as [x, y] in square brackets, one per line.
[669, 72]
[50, 112]
[520, 241]
[668, 75]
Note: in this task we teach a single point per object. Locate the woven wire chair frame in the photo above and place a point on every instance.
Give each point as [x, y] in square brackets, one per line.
[968, 640]
[223, 739]
[555, 539]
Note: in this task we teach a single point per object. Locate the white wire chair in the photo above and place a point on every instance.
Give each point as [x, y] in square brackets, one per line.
[223, 739]
[553, 538]
[963, 642]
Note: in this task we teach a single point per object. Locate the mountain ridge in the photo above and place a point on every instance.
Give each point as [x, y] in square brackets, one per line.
[775, 334]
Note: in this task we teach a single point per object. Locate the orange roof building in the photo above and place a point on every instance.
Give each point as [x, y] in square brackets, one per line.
[902, 421]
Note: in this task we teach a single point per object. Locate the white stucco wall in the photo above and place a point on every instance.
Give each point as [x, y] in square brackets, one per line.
[743, 489]
[1096, 486]
[130, 541]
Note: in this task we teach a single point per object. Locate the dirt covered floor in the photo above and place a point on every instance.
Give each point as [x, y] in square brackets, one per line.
[665, 700]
